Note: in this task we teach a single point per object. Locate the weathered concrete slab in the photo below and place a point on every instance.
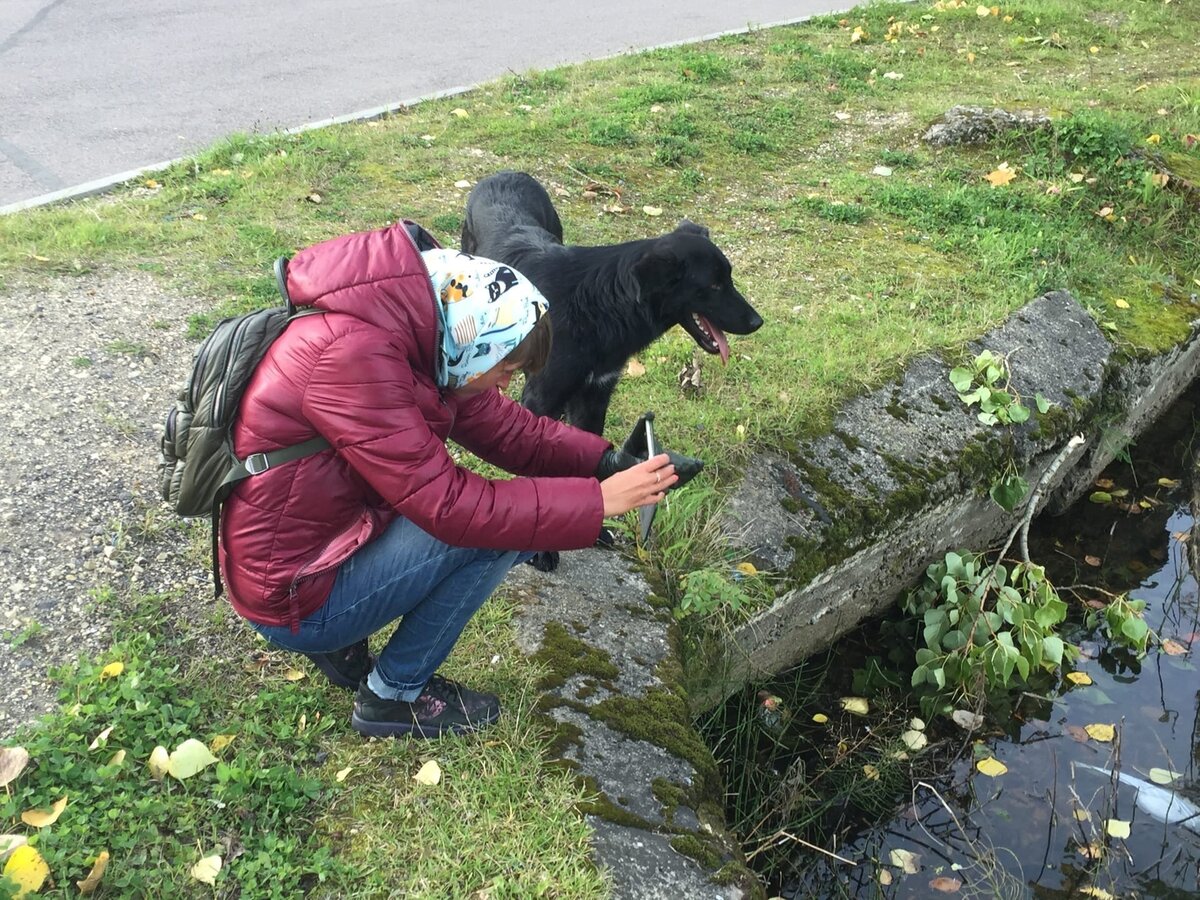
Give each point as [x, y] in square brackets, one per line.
[613, 687]
[855, 516]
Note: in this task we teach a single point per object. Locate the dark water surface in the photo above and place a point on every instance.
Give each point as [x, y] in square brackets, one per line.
[1038, 830]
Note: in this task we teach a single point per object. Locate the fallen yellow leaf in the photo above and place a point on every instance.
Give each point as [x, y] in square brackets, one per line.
[1163, 776]
[112, 670]
[117, 758]
[207, 869]
[295, 674]
[1079, 677]
[857, 705]
[1001, 176]
[89, 884]
[41, 818]
[906, 860]
[747, 569]
[159, 761]
[820, 718]
[1116, 828]
[1098, 892]
[1121, 303]
[872, 772]
[652, 210]
[220, 742]
[635, 369]
[982, 11]
[460, 113]
[1154, 139]
[1100, 732]
[9, 843]
[189, 758]
[991, 767]
[342, 773]
[430, 773]
[100, 738]
[27, 870]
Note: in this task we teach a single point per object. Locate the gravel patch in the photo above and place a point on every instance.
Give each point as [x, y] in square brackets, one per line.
[88, 367]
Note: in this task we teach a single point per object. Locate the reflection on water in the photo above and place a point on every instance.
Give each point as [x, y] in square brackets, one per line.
[1040, 829]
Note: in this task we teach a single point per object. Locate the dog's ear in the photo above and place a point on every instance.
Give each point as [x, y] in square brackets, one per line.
[689, 227]
[658, 269]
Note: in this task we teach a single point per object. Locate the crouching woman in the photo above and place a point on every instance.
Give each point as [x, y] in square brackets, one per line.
[415, 347]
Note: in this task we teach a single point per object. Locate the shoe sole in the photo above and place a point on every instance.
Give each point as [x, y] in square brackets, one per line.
[415, 730]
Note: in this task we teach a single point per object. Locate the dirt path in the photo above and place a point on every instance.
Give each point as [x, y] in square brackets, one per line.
[88, 367]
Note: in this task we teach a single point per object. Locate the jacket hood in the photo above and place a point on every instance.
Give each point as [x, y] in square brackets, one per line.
[376, 276]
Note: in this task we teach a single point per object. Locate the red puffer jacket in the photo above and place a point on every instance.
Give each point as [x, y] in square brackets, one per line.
[362, 376]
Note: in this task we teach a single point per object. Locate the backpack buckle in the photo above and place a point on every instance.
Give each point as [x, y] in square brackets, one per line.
[256, 463]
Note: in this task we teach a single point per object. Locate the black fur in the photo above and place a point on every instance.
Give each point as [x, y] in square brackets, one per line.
[606, 303]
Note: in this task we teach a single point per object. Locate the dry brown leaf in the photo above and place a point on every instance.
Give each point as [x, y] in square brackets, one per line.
[13, 761]
[89, 884]
[635, 369]
[946, 885]
[1174, 648]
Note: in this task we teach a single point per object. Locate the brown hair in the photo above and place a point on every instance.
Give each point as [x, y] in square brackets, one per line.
[531, 354]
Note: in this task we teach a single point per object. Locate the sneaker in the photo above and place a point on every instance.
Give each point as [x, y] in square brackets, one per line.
[346, 667]
[444, 707]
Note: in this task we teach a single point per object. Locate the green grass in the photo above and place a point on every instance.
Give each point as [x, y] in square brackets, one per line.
[298, 803]
[771, 139]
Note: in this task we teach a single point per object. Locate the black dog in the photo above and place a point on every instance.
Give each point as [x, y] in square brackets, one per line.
[606, 303]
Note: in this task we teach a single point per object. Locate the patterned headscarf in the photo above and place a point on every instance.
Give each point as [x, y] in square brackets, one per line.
[487, 309]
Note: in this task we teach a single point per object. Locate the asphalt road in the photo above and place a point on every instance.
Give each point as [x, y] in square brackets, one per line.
[93, 88]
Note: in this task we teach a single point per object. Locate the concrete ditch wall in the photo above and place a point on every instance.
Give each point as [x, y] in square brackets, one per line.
[854, 517]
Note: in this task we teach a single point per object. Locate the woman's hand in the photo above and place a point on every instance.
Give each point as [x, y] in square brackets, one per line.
[639, 485]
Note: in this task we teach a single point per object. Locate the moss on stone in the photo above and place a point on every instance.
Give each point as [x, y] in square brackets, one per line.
[791, 505]
[852, 443]
[699, 850]
[897, 411]
[564, 655]
[601, 806]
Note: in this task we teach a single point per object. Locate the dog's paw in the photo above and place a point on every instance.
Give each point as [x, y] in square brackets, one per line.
[545, 561]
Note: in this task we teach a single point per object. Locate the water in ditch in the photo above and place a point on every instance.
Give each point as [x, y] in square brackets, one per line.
[824, 814]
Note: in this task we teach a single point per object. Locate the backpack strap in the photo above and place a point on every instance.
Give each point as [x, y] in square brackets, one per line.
[281, 282]
[254, 464]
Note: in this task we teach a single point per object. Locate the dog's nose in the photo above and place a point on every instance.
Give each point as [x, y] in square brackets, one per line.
[754, 324]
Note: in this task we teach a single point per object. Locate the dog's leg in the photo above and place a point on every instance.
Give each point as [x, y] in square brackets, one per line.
[547, 394]
[588, 407]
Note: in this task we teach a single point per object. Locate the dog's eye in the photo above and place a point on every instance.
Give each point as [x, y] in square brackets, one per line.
[716, 287]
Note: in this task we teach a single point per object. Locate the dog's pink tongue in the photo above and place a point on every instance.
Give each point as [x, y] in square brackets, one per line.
[719, 336]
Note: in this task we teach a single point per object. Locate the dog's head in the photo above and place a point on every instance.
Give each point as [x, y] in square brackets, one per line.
[687, 280]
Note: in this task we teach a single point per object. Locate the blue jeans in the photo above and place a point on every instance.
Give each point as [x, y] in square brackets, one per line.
[406, 574]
